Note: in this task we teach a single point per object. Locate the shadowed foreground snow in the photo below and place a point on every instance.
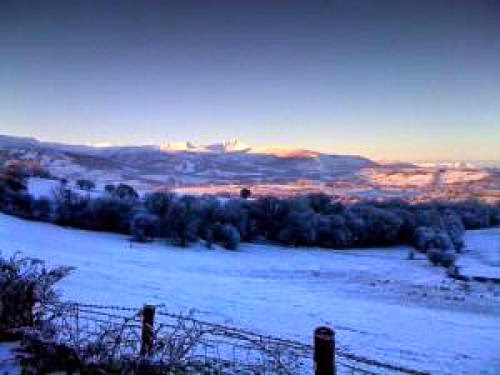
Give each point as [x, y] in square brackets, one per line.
[381, 305]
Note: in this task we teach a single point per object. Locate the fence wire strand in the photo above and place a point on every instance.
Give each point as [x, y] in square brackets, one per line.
[182, 340]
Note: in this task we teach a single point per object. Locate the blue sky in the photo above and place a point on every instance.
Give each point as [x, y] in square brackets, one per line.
[385, 79]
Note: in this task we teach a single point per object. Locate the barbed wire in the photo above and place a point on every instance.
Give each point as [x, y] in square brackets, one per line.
[182, 337]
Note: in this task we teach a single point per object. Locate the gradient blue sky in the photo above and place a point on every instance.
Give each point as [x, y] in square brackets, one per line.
[385, 79]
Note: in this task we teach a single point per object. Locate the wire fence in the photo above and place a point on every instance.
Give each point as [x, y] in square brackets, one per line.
[180, 341]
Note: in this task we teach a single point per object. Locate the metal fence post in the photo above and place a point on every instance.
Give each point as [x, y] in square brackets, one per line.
[324, 351]
[148, 317]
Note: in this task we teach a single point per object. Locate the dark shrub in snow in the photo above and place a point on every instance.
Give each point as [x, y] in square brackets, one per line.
[448, 259]
[144, 226]
[109, 188]
[124, 191]
[18, 204]
[158, 203]
[25, 282]
[228, 236]
[441, 257]
[85, 184]
[434, 256]
[270, 215]
[423, 238]
[454, 227]
[112, 214]
[74, 210]
[183, 221]
[299, 229]
[41, 209]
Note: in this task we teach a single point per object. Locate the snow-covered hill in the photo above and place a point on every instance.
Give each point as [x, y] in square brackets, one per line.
[183, 163]
[382, 305]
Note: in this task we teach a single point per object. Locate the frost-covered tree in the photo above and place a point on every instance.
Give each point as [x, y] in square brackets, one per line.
[41, 209]
[124, 191]
[85, 184]
[183, 220]
[112, 214]
[144, 226]
[158, 203]
[299, 229]
[229, 237]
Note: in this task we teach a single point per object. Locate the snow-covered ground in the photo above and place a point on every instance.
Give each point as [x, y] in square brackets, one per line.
[8, 362]
[482, 255]
[382, 306]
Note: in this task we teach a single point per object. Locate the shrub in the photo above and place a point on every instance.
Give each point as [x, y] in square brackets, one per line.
[423, 238]
[73, 210]
[454, 228]
[229, 237]
[299, 229]
[124, 191]
[441, 257]
[25, 282]
[109, 188]
[85, 184]
[41, 209]
[434, 256]
[158, 203]
[144, 226]
[183, 221]
[112, 214]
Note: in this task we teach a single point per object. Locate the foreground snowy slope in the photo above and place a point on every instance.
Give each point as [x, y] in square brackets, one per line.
[381, 305]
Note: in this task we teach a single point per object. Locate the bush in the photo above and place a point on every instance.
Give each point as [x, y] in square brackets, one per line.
[41, 209]
[85, 184]
[109, 188]
[25, 282]
[229, 237]
[300, 229]
[183, 221]
[441, 257]
[124, 191]
[144, 226]
[158, 203]
[434, 256]
[112, 214]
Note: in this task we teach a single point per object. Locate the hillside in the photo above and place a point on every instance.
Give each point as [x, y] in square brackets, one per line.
[382, 306]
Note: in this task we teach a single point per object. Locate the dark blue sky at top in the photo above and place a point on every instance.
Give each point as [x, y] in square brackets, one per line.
[387, 79]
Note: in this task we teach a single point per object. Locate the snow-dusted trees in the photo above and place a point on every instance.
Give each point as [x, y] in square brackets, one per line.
[312, 220]
[228, 236]
[124, 191]
[158, 203]
[85, 184]
[144, 226]
[182, 220]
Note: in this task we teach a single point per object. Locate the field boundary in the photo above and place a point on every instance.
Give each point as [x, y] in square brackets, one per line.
[119, 334]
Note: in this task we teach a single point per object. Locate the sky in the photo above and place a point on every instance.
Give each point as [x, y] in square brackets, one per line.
[406, 80]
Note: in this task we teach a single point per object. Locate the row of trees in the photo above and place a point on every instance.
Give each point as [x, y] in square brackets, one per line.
[315, 220]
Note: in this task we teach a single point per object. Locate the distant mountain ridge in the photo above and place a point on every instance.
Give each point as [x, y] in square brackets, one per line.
[184, 163]
[227, 166]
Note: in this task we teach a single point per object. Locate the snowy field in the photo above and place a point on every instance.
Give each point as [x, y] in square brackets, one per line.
[382, 306]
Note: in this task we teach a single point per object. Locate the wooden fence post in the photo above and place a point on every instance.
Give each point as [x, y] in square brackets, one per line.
[324, 351]
[148, 318]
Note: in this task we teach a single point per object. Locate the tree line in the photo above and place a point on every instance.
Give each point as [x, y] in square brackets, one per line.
[435, 228]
